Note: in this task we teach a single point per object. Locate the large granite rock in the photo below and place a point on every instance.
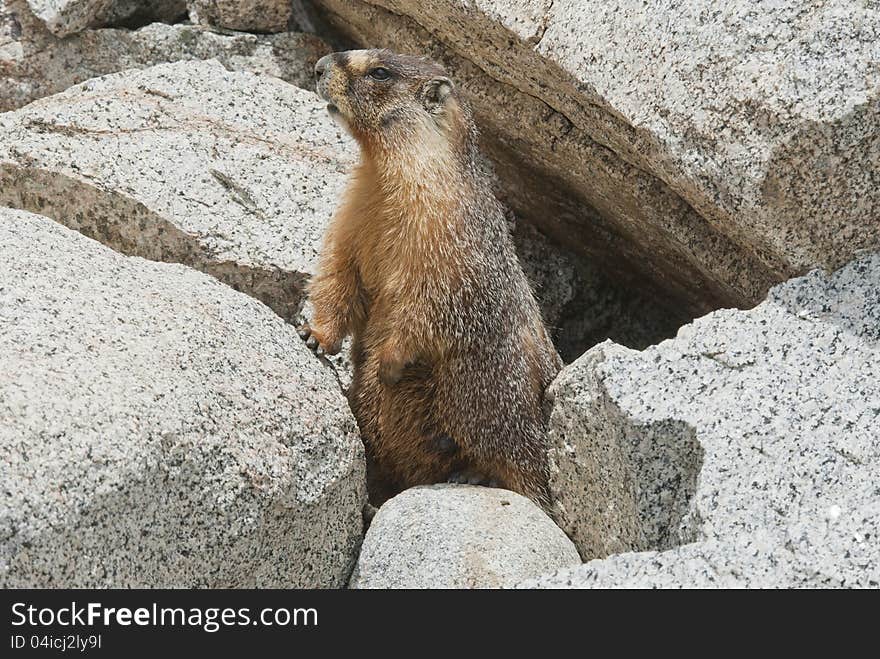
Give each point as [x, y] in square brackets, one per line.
[754, 436]
[34, 63]
[713, 151]
[232, 173]
[161, 430]
[246, 15]
[451, 536]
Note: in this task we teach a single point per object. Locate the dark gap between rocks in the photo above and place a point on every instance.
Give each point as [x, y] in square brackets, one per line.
[610, 299]
[584, 306]
[142, 17]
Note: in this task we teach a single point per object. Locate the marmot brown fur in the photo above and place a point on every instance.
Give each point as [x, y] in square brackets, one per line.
[451, 356]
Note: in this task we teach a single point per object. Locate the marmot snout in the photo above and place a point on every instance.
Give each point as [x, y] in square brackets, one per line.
[451, 356]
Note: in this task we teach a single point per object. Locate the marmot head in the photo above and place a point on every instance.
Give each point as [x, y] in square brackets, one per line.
[383, 98]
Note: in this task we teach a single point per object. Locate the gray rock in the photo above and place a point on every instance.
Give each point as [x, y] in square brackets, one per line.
[710, 151]
[34, 63]
[246, 15]
[22, 35]
[66, 17]
[63, 17]
[459, 536]
[161, 430]
[744, 452]
[232, 173]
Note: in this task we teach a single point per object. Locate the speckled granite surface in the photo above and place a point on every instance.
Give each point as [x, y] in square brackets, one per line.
[233, 173]
[753, 439]
[459, 536]
[158, 429]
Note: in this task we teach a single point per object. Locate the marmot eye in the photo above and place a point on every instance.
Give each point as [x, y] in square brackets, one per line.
[380, 73]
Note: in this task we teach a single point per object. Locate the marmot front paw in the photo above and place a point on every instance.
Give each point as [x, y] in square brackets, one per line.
[392, 363]
[319, 342]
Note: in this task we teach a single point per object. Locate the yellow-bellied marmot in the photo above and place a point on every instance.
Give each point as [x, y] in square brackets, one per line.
[451, 357]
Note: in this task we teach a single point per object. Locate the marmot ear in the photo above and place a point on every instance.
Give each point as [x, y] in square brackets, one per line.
[435, 92]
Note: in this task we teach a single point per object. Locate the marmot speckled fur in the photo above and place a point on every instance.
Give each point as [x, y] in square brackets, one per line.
[451, 356]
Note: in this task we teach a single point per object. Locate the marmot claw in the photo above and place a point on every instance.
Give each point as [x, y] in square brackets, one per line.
[314, 342]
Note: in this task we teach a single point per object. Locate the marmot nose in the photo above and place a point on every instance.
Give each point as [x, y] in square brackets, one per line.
[322, 65]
